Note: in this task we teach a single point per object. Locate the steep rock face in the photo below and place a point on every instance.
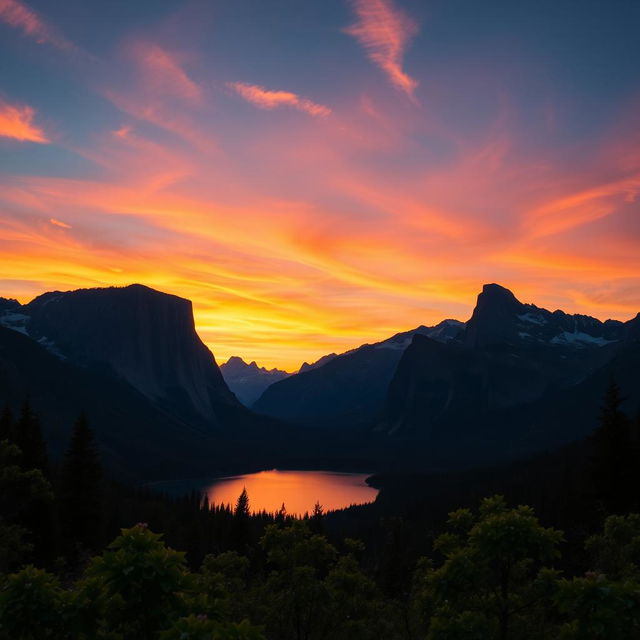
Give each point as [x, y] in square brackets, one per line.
[248, 381]
[436, 385]
[347, 390]
[146, 337]
[513, 361]
[500, 318]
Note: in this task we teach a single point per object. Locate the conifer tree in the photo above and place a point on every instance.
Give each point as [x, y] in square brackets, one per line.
[614, 463]
[316, 520]
[241, 531]
[81, 495]
[28, 437]
[242, 505]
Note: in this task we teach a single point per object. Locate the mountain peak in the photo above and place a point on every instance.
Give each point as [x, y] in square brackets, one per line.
[496, 292]
[491, 320]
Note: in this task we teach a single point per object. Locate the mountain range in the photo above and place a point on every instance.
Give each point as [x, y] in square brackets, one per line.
[248, 380]
[346, 390]
[513, 379]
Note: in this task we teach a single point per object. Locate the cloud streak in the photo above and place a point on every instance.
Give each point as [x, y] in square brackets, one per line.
[268, 99]
[16, 121]
[162, 72]
[20, 16]
[385, 31]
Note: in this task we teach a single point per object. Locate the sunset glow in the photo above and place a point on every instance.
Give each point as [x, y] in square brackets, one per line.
[318, 182]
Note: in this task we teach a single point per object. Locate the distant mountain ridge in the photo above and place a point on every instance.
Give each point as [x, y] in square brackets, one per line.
[347, 389]
[514, 379]
[248, 380]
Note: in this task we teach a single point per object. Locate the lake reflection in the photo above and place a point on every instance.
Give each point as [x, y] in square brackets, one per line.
[299, 490]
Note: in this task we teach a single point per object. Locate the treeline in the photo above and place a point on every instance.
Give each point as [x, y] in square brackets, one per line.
[56, 516]
[492, 572]
[491, 576]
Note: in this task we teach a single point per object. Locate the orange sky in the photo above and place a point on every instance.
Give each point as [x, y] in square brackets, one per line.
[302, 221]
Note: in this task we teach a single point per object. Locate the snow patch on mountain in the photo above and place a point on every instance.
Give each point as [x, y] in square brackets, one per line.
[579, 338]
[532, 318]
[15, 320]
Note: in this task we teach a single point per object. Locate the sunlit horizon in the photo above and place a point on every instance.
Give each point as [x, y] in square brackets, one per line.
[316, 181]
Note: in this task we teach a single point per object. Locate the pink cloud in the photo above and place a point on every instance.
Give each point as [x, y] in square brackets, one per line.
[16, 121]
[159, 91]
[59, 223]
[385, 31]
[163, 73]
[267, 99]
[18, 15]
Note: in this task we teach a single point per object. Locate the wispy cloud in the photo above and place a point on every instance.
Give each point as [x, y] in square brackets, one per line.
[385, 31]
[20, 16]
[59, 223]
[16, 121]
[163, 72]
[159, 90]
[268, 99]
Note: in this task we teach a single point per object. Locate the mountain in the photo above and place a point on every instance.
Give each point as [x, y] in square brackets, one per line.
[131, 360]
[511, 382]
[248, 381]
[143, 336]
[306, 366]
[346, 390]
[499, 318]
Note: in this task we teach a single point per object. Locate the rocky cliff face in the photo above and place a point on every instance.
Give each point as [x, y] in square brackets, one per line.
[510, 358]
[144, 336]
[500, 318]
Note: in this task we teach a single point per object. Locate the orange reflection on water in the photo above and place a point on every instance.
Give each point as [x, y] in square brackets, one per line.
[298, 490]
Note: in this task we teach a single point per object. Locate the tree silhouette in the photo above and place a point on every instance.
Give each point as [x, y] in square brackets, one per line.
[614, 463]
[242, 505]
[81, 491]
[315, 521]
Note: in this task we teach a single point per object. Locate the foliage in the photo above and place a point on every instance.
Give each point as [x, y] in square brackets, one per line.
[21, 493]
[599, 609]
[616, 551]
[492, 582]
[32, 606]
[142, 583]
[201, 628]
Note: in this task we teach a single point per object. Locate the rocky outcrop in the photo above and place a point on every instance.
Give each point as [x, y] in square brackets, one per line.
[146, 337]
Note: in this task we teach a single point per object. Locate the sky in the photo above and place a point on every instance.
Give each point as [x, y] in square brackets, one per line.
[317, 174]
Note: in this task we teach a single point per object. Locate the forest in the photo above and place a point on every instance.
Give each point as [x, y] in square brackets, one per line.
[85, 557]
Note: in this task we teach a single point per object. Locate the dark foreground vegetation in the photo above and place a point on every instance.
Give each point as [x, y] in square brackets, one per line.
[80, 558]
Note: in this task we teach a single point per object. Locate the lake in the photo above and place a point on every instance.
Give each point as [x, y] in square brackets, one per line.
[299, 490]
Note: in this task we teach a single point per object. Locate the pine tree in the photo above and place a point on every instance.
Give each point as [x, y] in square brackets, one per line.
[241, 528]
[81, 494]
[242, 505]
[281, 514]
[28, 437]
[316, 520]
[614, 464]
